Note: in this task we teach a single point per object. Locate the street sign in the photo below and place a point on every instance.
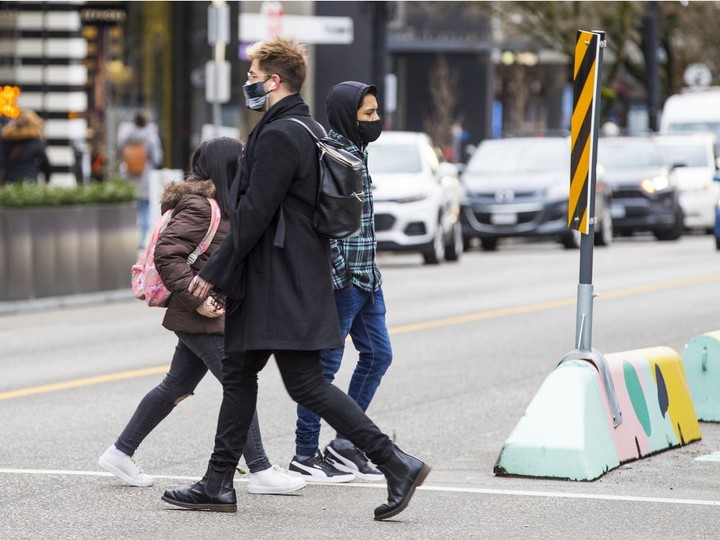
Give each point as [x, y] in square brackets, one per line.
[217, 81]
[306, 29]
[583, 129]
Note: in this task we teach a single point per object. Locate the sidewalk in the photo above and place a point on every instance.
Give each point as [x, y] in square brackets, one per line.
[55, 302]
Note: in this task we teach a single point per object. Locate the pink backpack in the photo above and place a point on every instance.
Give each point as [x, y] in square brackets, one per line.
[145, 281]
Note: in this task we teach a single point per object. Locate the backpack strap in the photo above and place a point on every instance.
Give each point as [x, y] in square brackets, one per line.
[215, 215]
[279, 238]
[310, 131]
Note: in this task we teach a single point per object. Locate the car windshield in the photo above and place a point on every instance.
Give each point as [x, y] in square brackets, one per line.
[620, 153]
[687, 155]
[508, 156]
[690, 127]
[393, 158]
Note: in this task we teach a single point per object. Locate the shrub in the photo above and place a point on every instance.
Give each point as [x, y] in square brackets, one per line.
[31, 194]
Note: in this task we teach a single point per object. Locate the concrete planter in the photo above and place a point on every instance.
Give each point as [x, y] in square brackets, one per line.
[61, 250]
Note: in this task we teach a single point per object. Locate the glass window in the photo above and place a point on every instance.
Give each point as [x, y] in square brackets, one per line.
[393, 158]
[623, 153]
[688, 155]
[508, 156]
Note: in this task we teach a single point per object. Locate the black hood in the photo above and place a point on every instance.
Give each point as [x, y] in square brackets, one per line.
[342, 104]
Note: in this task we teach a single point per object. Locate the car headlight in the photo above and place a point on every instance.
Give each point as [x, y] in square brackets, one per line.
[653, 185]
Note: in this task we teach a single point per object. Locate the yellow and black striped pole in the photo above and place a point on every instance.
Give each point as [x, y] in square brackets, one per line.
[583, 165]
[586, 79]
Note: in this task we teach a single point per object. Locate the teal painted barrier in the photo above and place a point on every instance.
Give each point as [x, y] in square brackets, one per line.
[701, 359]
[568, 431]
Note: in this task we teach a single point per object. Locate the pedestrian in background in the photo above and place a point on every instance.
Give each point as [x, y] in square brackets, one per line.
[352, 110]
[25, 156]
[141, 152]
[198, 324]
[286, 306]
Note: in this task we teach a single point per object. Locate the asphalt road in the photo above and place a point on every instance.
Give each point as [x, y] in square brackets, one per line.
[473, 342]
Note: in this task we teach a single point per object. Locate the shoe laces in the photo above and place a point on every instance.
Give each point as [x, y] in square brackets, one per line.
[279, 469]
[137, 465]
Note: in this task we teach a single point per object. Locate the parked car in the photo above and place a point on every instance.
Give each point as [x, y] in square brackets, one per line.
[519, 187]
[645, 196]
[417, 197]
[694, 161]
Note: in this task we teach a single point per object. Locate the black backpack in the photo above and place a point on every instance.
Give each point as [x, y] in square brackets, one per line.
[339, 202]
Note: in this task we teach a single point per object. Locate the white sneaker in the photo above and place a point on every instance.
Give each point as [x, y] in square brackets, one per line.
[273, 481]
[123, 466]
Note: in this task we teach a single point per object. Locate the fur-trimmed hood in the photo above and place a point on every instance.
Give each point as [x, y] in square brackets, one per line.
[28, 125]
[174, 191]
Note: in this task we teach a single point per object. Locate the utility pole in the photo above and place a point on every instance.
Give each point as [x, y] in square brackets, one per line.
[217, 71]
[650, 25]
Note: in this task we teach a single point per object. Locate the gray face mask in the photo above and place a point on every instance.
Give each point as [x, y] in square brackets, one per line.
[255, 95]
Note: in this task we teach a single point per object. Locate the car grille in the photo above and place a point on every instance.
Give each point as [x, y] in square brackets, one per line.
[384, 222]
[628, 193]
[522, 217]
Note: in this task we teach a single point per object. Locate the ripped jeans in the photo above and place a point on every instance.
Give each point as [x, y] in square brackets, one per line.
[195, 354]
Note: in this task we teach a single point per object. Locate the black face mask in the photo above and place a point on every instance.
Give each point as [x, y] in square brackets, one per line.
[369, 131]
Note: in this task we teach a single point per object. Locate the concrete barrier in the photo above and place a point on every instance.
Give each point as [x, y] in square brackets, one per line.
[568, 430]
[701, 359]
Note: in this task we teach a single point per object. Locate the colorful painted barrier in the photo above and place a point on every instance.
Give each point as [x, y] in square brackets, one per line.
[568, 431]
[701, 359]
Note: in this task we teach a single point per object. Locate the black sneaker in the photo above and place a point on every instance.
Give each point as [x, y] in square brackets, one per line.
[318, 469]
[352, 460]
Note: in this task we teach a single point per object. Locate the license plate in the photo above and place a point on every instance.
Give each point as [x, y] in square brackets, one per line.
[503, 219]
[617, 211]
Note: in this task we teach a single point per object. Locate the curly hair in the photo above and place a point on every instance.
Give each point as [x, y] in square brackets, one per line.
[286, 58]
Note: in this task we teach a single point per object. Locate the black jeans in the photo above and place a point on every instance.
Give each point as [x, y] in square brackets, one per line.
[302, 375]
[195, 354]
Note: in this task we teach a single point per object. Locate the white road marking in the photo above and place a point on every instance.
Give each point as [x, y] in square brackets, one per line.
[446, 489]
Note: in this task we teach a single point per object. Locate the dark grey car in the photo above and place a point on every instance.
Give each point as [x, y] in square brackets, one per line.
[519, 187]
[645, 196]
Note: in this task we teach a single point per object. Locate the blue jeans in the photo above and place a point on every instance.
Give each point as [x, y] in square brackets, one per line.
[195, 354]
[362, 315]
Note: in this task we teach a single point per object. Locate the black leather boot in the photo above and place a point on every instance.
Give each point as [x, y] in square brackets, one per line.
[215, 492]
[403, 474]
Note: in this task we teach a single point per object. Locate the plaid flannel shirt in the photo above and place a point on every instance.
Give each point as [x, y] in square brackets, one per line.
[354, 258]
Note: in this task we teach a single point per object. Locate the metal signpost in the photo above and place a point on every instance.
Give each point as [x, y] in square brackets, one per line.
[581, 202]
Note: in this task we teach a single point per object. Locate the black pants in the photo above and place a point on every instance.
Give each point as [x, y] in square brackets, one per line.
[302, 375]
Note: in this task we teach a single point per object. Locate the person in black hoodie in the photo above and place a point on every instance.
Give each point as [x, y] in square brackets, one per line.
[280, 295]
[352, 110]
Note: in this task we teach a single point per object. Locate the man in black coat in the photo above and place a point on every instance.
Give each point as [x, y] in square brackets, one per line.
[275, 271]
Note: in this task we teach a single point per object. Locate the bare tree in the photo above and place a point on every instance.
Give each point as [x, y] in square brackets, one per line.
[443, 93]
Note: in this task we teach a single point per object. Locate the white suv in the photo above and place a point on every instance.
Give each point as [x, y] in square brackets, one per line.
[695, 165]
[417, 197]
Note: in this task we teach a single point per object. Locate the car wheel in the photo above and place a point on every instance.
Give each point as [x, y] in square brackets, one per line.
[604, 233]
[674, 232]
[717, 243]
[488, 244]
[571, 239]
[454, 243]
[435, 250]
